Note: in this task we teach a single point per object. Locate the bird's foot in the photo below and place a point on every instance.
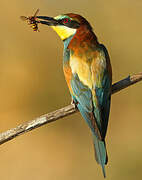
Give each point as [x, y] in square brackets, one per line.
[74, 103]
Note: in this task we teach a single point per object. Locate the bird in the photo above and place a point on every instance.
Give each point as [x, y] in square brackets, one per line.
[88, 73]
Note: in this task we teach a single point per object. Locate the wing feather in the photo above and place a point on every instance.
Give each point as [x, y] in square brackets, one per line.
[102, 80]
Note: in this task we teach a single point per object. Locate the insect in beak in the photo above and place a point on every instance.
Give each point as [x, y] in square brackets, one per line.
[31, 20]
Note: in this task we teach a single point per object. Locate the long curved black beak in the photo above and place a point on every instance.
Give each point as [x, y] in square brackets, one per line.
[50, 21]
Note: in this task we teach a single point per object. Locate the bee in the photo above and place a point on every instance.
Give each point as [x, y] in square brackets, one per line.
[31, 20]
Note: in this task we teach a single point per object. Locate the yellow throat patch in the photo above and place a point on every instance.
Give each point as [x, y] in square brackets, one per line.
[63, 31]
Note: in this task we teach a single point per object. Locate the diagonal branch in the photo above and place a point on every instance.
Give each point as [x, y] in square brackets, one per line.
[60, 113]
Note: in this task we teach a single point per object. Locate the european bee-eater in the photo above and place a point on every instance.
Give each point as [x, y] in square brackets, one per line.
[88, 73]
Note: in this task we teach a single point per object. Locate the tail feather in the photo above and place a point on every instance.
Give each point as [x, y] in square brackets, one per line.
[100, 153]
[99, 146]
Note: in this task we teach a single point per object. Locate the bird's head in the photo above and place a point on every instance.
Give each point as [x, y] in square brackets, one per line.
[66, 25]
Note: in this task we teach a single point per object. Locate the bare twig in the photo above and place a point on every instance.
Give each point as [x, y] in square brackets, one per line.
[130, 80]
[60, 113]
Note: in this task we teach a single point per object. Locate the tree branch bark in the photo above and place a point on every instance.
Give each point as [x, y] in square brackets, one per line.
[60, 113]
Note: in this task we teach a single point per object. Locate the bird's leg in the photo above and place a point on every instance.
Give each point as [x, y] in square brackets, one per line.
[74, 103]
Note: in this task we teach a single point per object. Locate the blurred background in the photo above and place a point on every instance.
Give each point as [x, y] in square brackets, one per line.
[32, 83]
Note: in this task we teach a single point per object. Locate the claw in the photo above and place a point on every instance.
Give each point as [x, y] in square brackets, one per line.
[74, 103]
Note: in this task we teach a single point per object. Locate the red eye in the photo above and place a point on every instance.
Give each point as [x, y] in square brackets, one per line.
[66, 20]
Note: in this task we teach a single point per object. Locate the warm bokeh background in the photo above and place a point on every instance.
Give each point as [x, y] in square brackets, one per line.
[32, 83]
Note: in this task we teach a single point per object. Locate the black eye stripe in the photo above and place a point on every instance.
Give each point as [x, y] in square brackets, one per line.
[74, 24]
[69, 23]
